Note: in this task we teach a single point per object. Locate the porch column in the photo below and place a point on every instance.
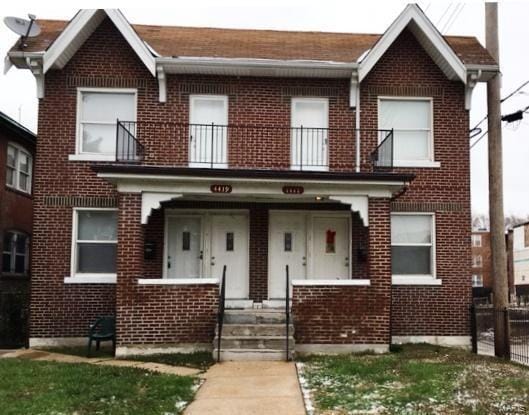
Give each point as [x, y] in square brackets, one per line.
[129, 259]
[380, 265]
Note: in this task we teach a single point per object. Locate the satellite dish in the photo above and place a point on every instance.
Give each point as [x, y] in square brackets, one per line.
[22, 27]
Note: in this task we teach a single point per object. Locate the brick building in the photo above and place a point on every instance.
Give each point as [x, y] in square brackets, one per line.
[342, 156]
[17, 151]
[481, 264]
[520, 259]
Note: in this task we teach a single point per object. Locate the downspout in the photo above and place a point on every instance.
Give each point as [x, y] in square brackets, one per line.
[357, 127]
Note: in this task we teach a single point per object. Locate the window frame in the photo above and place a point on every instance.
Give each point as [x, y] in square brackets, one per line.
[13, 254]
[477, 261]
[79, 154]
[96, 277]
[430, 161]
[17, 171]
[476, 237]
[477, 279]
[320, 100]
[420, 279]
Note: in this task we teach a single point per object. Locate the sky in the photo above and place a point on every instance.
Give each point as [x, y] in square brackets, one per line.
[18, 91]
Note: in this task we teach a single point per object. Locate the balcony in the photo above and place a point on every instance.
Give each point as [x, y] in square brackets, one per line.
[253, 147]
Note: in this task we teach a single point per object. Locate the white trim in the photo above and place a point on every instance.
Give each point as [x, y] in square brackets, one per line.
[91, 279]
[56, 341]
[415, 280]
[177, 281]
[86, 156]
[151, 201]
[420, 279]
[308, 349]
[414, 17]
[91, 157]
[353, 282]
[162, 84]
[358, 204]
[82, 26]
[450, 341]
[84, 278]
[325, 102]
[430, 162]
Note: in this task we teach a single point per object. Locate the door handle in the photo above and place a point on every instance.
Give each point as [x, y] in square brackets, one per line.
[201, 256]
[304, 261]
[346, 261]
[212, 260]
[169, 262]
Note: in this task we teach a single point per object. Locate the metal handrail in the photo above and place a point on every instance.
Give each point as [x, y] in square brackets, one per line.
[287, 312]
[382, 157]
[128, 148]
[220, 314]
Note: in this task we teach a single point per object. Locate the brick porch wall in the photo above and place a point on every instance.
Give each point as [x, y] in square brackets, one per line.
[351, 315]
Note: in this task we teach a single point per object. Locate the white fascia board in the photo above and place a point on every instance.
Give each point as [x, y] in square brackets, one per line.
[81, 20]
[412, 12]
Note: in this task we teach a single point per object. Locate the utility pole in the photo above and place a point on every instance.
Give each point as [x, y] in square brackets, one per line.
[497, 221]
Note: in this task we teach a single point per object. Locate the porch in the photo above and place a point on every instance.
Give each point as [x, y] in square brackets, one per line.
[177, 233]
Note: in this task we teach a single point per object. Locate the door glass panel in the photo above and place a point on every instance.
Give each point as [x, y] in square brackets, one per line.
[288, 241]
[186, 241]
[229, 241]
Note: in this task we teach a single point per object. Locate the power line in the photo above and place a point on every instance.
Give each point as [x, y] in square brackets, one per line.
[501, 101]
[449, 25]
[443, 15]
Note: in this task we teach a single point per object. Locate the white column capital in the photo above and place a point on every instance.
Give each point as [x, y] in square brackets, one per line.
[153, 200]
[358, 204]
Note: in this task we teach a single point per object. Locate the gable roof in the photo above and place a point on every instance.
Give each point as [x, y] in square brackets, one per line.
[174, 41]
[16, 128]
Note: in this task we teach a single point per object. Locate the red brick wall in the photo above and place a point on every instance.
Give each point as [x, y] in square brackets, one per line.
[251, 101]
[351, 315]
[486, 257]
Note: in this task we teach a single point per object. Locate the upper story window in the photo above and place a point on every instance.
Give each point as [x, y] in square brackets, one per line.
[15, 253]
[477, 280]
[97, 113]
[208, 131]
[309, 138]
[412, 244]
[411, 120]
[18, 168]
[477, 261]
[476, 241]
[94, 242]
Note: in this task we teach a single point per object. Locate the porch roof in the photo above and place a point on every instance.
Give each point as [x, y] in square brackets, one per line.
[316, 176]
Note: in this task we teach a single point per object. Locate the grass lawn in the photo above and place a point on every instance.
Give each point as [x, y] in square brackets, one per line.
[417, 379]
[196, 360]
[48, 388]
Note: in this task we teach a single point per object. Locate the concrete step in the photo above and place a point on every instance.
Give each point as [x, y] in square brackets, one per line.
[254, 316]
[255, 329]
[254, 342]
[251, 354]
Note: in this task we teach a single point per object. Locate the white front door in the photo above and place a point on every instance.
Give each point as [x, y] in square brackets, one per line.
[229, 246]
[287, 246]
[184, 247]
[309, 138]
[330, 247]
[208, 131]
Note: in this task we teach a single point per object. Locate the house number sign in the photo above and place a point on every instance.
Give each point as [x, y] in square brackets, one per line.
[293, 190]
[220, 188]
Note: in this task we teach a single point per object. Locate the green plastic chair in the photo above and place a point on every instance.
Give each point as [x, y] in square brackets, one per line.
[104, 329]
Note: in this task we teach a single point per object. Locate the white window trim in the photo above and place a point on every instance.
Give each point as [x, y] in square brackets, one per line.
[225, 100]
[427, 163]
[86, 156]
[477, 263]
[13, 254]
[86, 278]
[325, 101]
[476, 238]
[19, 149]
[477, 279]
[415, 279]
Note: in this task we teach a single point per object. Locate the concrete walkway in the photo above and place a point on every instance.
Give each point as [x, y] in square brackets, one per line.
[249, 388]
[63, 358]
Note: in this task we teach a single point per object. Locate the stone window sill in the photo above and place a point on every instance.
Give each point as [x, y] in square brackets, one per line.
[356, 282]
[177, 281]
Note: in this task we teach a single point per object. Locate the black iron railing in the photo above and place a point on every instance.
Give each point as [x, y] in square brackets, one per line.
[287, 313]
[514, 322]
[220, 314]
[208, 145]
[128, 148]
[382, 157]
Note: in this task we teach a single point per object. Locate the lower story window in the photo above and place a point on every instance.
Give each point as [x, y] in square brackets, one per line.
[477, 280]
[95, 242]
[15, 253]
[412, 244]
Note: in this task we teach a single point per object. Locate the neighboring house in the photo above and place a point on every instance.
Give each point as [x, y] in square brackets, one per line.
[17, 151]
[481, 264]
[244, 149]
[520, 259]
